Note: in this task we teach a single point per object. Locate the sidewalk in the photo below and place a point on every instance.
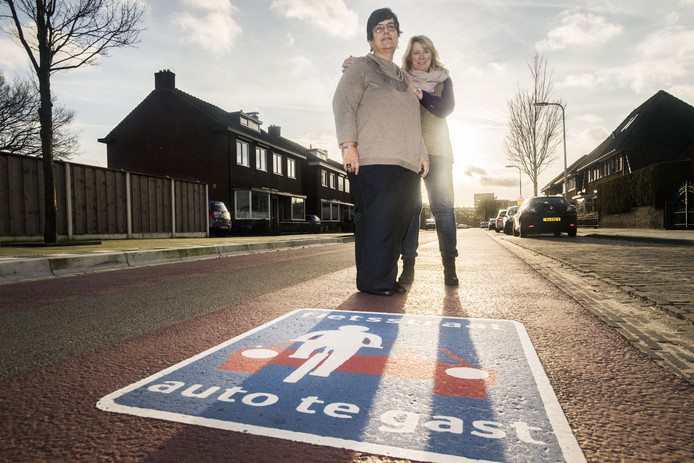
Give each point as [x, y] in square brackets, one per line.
[35, 261]
[23, 262]
[680, 237]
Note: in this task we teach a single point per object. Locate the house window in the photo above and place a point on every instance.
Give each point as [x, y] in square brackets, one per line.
[298, 209]
[291, 168]
[332, 181]
[330, 212]
[260, 205]
[346, 213]
[242, 207]
[251, 205]
[346, 185]
[242, 153]
[276, 163]
[323, 178]
[325, 211]
[261, 159]
[340, 183]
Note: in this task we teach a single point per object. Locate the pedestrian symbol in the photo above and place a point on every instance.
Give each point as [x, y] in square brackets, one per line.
[425, 388]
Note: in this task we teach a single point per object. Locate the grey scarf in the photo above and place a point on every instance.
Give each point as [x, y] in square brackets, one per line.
[388, 69]
[427, 81]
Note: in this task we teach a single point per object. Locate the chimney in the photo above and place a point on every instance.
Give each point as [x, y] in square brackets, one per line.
[275, 130]
[164, 80]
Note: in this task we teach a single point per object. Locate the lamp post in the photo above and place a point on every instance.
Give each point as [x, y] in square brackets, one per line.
[520, 181]
[563, 125]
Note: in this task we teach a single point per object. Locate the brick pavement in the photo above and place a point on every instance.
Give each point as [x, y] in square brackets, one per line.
[643, 290]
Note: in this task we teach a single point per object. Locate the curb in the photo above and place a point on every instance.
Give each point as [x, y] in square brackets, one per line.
[642, 239]
[14, 270]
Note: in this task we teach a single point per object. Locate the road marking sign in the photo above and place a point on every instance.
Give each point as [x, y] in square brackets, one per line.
[419, 387]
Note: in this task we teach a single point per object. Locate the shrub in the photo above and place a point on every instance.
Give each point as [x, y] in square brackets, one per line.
[650, 186]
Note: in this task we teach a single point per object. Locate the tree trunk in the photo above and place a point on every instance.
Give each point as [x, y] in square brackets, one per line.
[50, 231]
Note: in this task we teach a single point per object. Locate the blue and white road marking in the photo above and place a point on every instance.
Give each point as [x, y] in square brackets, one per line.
[419, 387]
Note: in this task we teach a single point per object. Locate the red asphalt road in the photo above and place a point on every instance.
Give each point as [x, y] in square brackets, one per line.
[620, 405]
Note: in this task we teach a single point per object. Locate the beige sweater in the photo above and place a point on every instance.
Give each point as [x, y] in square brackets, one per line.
[374, 107]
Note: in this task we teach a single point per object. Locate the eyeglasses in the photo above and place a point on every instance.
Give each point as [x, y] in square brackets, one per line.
[380, 29]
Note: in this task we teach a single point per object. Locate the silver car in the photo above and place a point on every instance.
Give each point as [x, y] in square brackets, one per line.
[500, 220]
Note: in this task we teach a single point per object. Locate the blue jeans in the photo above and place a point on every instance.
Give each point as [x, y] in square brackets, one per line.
[439, 185]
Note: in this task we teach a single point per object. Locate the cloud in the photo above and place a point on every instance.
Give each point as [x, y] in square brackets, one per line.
[579, 29]
[590, 118]
[213, 28]
[471, 171]
[587, 140]
[499, 181]
[13, 56]
[674, 41]
[661, 60]
[333, 16]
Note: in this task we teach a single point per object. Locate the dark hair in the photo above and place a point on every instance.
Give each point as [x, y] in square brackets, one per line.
[376, 17]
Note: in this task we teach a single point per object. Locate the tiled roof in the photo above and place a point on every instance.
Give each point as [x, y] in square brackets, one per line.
[231, 120]
[657, 131]
[660, 130]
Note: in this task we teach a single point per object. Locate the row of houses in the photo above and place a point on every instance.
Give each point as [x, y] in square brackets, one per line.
[262, 177]
[660, 130]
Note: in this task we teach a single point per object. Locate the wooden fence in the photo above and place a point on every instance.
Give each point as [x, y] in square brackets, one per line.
[98, 203]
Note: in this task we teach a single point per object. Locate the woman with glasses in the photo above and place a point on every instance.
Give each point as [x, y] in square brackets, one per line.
[379, 131]
[434, 88]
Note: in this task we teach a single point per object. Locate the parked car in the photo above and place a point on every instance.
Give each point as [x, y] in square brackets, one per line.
[313, 219]
[491, 225]
[220, 219]
[499, 223]
[484, 224]
[430, 224]
[545, 214]
[508, 220]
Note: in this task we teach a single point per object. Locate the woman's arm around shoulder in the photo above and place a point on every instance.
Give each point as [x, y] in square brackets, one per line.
[440, 106]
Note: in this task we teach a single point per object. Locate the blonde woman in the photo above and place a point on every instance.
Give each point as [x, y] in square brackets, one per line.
[437, 101]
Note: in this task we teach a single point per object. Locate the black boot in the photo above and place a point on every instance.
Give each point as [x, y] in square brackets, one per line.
[407, 275]
[449, 275]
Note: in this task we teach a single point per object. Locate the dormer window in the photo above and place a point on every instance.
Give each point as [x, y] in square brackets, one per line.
[250, 123]
[631, 121]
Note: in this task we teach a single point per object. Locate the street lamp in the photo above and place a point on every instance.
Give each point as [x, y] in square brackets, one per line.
[563, 124]
[520, 181]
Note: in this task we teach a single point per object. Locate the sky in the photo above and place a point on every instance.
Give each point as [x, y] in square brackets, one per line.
[282, 59]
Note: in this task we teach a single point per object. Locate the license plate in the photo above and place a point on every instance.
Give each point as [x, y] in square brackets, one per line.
[552, 219]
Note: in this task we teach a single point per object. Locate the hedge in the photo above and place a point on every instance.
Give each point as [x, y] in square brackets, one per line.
[650, 186]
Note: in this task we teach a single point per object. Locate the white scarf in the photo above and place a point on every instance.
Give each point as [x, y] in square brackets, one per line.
[427, 81]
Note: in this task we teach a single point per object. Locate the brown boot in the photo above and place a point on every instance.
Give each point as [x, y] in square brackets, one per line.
[407, 275]
[449, 275]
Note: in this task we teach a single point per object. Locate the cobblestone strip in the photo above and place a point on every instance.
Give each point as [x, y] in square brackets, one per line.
[666, 339]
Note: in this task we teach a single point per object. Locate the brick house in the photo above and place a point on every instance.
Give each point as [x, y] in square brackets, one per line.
[660, 130]
[258, 174]
[327, 188]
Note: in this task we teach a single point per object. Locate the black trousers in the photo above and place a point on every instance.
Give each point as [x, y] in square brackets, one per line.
[384, 199]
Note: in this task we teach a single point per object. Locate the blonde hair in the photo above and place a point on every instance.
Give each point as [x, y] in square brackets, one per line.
[427, 44]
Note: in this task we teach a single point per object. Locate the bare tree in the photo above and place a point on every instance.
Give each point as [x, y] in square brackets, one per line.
[533, 134]
[69, 34]
[19, 122]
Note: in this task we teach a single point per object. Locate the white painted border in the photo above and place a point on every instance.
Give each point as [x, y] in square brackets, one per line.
[560, 425]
